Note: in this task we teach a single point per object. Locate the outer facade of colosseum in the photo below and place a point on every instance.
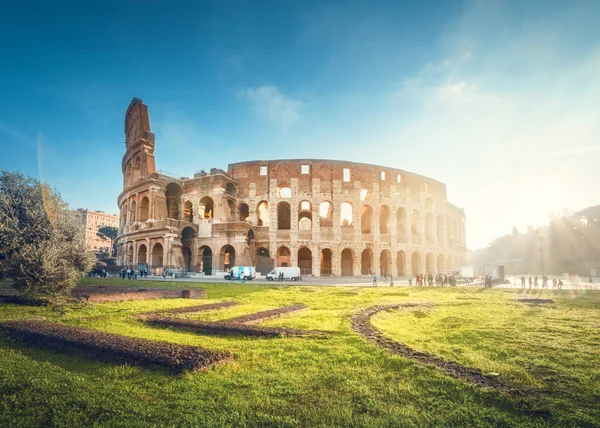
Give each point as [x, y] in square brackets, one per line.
[327, 217]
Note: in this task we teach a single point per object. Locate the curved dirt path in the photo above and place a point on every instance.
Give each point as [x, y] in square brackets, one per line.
[361, 323]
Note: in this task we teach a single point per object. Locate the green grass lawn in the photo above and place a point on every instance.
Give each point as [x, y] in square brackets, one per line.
[551, 351]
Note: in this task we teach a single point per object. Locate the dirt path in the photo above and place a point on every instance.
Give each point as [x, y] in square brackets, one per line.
[361, 323]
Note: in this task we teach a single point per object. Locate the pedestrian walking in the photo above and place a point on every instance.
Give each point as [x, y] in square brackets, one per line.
[374, 279]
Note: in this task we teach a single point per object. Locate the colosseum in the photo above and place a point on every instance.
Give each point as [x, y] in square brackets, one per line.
[330, 218]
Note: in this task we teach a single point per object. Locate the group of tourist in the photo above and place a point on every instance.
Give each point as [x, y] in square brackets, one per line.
[133, 273]
[534, 282]
[439, 280]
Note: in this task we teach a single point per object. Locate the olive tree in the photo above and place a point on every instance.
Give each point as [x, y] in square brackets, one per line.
[42, 241]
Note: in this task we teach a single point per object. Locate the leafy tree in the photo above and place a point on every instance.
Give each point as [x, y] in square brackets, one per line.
[108, 232]
[42, 245]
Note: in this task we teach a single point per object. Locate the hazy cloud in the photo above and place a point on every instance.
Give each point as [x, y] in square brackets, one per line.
[271, 105]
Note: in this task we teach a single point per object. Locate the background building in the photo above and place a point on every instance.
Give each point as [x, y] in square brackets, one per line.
[94, 220]
[327, 217]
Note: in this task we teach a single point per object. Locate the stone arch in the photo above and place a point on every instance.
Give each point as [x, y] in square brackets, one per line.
[144, 209]
[416, 263]
[137, 169]
[384, 220]
[429, 226]
[366, 262]
[401, 225]
[326, 261]
[284, 216]
[132, 213]
[206, 209]
[188, 235]
[244, 212]
[230, 189]
[326, 214]
[188, 212]
[264, 262]
[142, 254]
[283, 257]
[366, 218]
[440, 264]
[346, 214]
[284, 192]
[206, 262]
[429, 263]
[347, 258]
[262, 213]
[305, 215]
[305, 260]
[385, 263]
[157, 256]
[173, 195]
[130, 255]
[400, 263]
[415, 224]
[227, 255]
[441, 229]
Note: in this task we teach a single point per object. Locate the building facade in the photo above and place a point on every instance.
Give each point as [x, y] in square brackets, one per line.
[92, 222]
[327, 217]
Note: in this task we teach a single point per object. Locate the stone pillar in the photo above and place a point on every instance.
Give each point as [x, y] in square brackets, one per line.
[316, 260]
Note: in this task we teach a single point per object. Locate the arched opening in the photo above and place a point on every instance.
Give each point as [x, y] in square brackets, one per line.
[416, 263]
[429, 263]
[385, 262]
[188, 234]
[326, 257]
[283, 257]
[400, 263]
[173, 195]
[347, 262]
[157, 256]
[264, 262]
[429, 227]
[206, 262]
[137, 169]
[346, 214]
[305, 261]
[401, 225]
[228, 257]
[326, 214]
[144, 209]
[206, 210]
[188, 212]
[230, 189]
[366, 214]
[244, 212]
[142, 254]
[441, 229]
[416, 226]
[450, 265]
[384, 220]
[132, 213]
[262, 213]
[304, 215]
[284, 192]
[364, 194]
[440, 264]
[366, 262]
[283, 216]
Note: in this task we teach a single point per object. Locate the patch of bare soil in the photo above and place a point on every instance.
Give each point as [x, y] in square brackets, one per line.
[361, 323]
[101, 294]
[535, 301]
[264, 315]
[107, 346]
[229, 328]
[192, 309]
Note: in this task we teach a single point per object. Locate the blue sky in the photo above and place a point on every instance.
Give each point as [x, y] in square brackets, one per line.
[498, 99]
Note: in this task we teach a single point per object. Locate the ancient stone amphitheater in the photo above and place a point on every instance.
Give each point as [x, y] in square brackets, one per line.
[327, 217]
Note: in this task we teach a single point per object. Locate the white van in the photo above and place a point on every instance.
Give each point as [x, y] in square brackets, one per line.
[292, 273]
[236, 272]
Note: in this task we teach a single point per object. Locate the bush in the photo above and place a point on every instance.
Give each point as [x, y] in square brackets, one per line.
[42, 242]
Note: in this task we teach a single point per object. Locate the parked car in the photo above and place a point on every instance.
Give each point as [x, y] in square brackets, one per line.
[292, 273]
